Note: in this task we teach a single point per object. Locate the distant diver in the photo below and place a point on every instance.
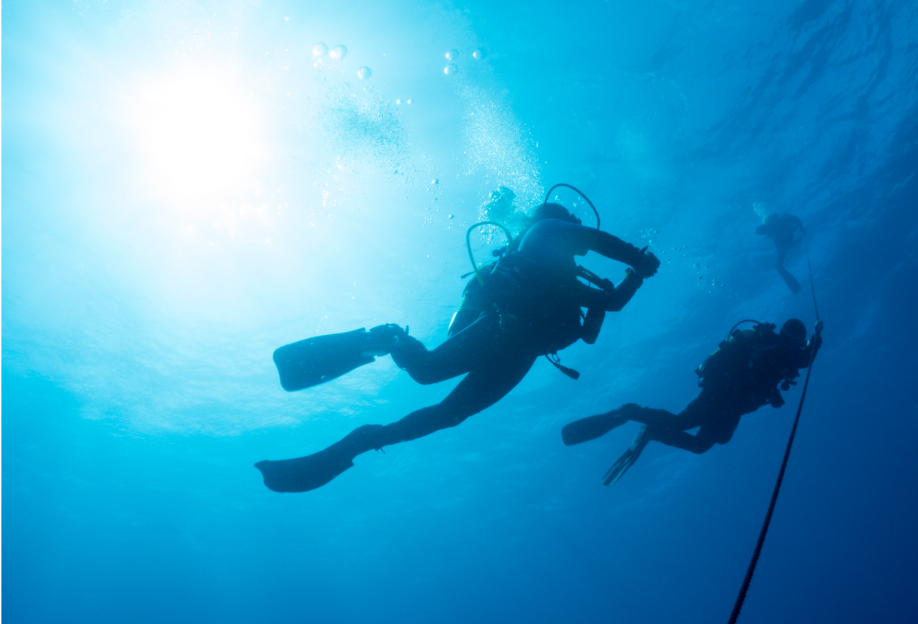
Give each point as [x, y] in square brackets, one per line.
[741, 376]
[782, 228]
[525, 305]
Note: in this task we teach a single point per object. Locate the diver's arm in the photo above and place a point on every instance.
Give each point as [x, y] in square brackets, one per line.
[578, 240]
[812, 347]
[644, 263]
[615, 300]
[610, 246]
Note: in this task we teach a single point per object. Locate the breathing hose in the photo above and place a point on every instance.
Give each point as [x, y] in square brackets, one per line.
[579, 192]
[468, 244]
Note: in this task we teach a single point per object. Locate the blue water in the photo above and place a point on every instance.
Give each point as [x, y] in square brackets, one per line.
[185, 187]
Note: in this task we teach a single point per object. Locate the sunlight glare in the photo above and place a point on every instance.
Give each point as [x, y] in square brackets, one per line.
[200, 135]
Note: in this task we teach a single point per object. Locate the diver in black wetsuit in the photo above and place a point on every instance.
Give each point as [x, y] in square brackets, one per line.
[782, 228]
[526, 305]
[737, 379]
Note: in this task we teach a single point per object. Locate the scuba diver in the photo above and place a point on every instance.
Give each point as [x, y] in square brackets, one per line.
[525, 305]
[741, 376]
[782, 228]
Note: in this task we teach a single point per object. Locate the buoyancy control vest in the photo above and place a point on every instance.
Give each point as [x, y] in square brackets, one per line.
[749, 365]
[544, 307]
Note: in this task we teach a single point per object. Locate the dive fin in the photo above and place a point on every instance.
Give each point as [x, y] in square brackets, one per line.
[303, 473]
[308, 473]
[790, 280]
[316, 360]
[630, 456]
[591, 427]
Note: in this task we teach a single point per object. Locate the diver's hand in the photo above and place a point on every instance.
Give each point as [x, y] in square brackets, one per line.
[648, 264]
[816, 340]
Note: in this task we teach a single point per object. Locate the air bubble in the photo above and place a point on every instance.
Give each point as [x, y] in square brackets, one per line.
[364, 73]
[450, 69]
[319, 49]
[338, 52]
[452, 55]
[479, 54]
[435, 181]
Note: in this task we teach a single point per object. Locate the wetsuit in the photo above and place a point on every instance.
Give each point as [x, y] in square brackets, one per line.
[536, 286]
[529, 305]
[739, 378]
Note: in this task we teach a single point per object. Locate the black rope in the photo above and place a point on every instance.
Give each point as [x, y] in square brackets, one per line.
[809, 266]
[790, 442]
[774, 499]
[810, 238]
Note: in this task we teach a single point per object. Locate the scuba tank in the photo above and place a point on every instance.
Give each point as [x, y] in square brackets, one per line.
[742, 361]
[505, 284]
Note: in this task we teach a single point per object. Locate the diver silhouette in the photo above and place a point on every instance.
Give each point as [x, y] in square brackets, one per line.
[741, 376]
[782, 229]
[525, 305]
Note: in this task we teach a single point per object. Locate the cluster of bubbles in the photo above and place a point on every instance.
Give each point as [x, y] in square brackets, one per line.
[336, 53]
[706, 280]
[452, 56]
[436, 216]
[502, 208]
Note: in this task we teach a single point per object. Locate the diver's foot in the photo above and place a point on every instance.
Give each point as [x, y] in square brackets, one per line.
[383, 338]
[308, 473]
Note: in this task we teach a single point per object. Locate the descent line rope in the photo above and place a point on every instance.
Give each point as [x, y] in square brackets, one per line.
[809, 267]
[790, 442]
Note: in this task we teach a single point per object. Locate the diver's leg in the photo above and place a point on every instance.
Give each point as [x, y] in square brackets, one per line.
[657, 418]
[789, 279]
[669, 428]
[482, 388]
[782, 253]
[472, 347]
[714, 416]
[683, 440]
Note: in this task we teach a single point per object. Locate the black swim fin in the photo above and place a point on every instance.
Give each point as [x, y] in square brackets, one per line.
[308, 473]
[303, 473]
[591, 427]
[790, 280]
[628, 458]
[316, 360]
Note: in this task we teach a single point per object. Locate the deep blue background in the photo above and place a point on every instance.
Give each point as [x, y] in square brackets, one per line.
[138, 325]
